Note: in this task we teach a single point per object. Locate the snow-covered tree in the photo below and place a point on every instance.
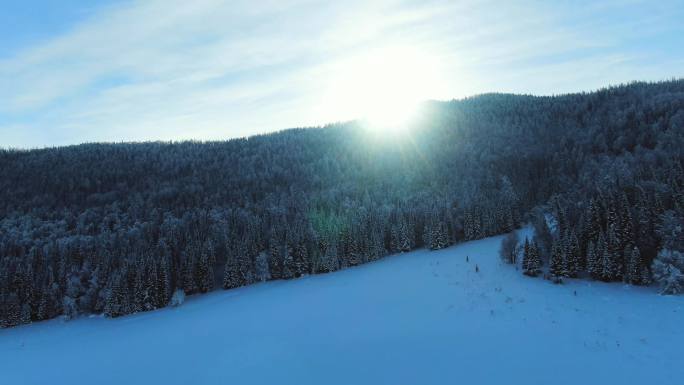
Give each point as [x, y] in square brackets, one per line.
[177, 298]
[668, 271]
[557, 266]
[531, 261]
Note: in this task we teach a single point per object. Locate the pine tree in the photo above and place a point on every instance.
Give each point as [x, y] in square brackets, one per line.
[526, 255]
[117, 299]
[394, 239]
[572, 254]
[301, 264]
[478, 232]
[246, 261]
[646, 237]
[164, 278]
[25, 314]
[435, 237]
[232, 277]
[427, 236]
[556, 264]
[188, 273]
[531, 259]
[288, 267]
[439, 236]
[626, 223]
[561, 217]
[594, 221]
[509, 219]
[633, 265]
[613, 222]
[151, 285]
[377, 249]
[139, 289]
[204, 273]
[275, 262]
[12, 310]
[468, 230]
[330, 261]
[535, 264]
[261, 271]
[405, 243]
[354, 250]
[612, 258]
[593, 263]
[668, 271]
[50, 305]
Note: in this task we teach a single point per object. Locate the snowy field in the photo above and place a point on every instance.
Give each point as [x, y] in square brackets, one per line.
[416, 318]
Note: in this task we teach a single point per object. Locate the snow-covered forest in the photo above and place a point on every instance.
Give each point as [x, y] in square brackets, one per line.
[119, 228]
[451, 316]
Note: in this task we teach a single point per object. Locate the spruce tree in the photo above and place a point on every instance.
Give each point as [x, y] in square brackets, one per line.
[330, 261]
[535, 264]
[232, 276]
[12, 310]
[395, 239]
[593, 222]
[152, 293]
[405, 243]
[593, 263]
[478, 231]
[246, 260]
[626, 223]
[442, 236]
[556, 263]
[612, 257]
[572, 254]
[301, 264]
[25, 314]
[427, 236]
[288, 268]
[531, 259]
[468, 230]
[139, 289]
[635, 266]
[526, 255]
[188, 274]
[204, 274]
[561, 218]
[164, 294]
[354, 250]
[275, 259]
[117, 297]
[377, 248]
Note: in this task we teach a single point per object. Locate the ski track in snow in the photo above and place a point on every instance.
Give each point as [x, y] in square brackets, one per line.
[416, 318]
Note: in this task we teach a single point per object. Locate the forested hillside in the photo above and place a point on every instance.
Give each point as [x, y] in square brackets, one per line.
[118, 228]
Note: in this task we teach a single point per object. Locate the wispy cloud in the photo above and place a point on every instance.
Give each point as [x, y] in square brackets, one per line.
[207, 69]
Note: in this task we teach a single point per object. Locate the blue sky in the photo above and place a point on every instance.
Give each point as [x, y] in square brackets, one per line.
[214, 69]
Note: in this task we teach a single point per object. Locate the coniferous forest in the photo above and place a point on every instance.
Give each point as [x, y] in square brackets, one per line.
[121, 228]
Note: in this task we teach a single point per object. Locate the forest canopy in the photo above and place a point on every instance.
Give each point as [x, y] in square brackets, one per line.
[118, 228]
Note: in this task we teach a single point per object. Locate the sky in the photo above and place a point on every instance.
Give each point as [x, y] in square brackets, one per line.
[108, 71]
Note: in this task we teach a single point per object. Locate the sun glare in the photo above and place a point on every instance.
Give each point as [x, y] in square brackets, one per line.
[383, 87]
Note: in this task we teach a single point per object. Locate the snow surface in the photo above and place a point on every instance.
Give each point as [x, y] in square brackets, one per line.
[417, 318]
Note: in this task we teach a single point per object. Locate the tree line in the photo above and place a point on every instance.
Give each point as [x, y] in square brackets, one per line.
[118, 228]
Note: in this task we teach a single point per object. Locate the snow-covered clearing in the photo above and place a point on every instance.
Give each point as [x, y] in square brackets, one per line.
[416, 318]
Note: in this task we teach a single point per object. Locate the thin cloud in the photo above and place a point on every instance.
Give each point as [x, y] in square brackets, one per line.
[212, 69]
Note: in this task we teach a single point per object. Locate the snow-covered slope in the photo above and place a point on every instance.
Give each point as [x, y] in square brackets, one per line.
[416, 318]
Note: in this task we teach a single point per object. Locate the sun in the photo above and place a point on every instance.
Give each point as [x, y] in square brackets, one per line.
[382, 87]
